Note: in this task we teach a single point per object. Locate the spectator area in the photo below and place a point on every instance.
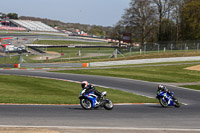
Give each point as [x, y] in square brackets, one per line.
[34, 25]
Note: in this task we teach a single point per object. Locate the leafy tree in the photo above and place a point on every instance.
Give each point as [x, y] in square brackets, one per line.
[117, 31]
[190, 16]
[98, 31]
[12, 15]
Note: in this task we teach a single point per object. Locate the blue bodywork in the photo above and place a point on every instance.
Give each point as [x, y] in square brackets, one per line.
[166, 97]
[91, 97]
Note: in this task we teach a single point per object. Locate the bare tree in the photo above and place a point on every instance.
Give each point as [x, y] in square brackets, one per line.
[164, 8]
[139, 19]
[176, 16]
[117, 31]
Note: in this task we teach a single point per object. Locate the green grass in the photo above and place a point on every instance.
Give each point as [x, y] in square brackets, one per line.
[94, 55]
[151, 54]
[161, 63]
[195, 87]
[174, 74]
[9, 60]
[20, 89]
[103, 54]
[73, 52]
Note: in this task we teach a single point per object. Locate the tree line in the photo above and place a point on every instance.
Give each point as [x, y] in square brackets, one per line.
[160, 20]
[147, 20]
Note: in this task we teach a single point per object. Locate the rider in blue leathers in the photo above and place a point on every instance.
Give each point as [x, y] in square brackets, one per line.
[89, 88]
[162, 88]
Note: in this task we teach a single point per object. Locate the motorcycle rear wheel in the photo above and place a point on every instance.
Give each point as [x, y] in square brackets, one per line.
[86, 103]
[108, 105]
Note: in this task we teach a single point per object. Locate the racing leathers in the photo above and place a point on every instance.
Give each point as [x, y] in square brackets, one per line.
[164, 89]
[91, 88]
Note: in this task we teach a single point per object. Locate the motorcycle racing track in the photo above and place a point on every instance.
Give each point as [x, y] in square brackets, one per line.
[122, 116]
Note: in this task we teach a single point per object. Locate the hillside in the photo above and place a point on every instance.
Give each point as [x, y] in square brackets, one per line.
[90, 29]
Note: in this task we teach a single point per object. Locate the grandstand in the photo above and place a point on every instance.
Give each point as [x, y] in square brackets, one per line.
[33, 25]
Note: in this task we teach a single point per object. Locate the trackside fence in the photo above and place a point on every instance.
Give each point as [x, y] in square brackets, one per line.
[46, 55]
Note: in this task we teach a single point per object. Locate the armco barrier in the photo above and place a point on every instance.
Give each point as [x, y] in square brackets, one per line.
[6, 65]
[52, 65]
[43, 65]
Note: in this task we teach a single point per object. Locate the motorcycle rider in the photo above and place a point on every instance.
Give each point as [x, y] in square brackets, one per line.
[89, 88]
[162, 88]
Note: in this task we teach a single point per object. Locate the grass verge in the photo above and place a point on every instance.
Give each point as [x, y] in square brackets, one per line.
[150, 55]
[24, 90]
[171, 73]
[103, 54]
[195, 87]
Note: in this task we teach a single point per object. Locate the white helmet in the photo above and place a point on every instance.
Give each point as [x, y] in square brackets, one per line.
[160, 87]
[84, 84]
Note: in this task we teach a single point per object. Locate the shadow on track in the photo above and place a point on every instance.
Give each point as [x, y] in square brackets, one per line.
[76, 108]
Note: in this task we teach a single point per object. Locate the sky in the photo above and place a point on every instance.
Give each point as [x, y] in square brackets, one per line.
[93, 12]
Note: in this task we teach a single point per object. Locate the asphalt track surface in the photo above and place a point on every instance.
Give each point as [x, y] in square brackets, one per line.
[122, 116]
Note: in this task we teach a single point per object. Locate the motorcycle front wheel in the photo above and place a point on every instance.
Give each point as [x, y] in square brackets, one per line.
[163, 102]
[86, 103]
[108, 105]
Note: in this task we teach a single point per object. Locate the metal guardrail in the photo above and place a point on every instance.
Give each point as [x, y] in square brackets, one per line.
[51, 65]
[6, 65]
[44, 65]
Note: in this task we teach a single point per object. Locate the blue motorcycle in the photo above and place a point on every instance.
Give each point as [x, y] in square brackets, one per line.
[90, 100]
[167, 100]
